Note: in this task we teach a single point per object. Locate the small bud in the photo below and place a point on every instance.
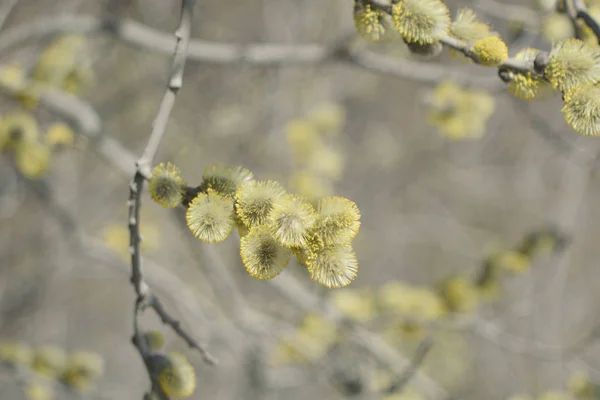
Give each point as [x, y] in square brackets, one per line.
[174, 374]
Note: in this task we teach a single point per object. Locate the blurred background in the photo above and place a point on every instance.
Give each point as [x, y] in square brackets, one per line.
[433, 208]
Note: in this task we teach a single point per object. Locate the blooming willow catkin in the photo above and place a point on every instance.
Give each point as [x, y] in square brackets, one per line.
[333, 267]
[368, 21]
[254, 201]
[467, 28]
[526, 85]
[166, 185]
[338, 220]
[581, 109]
[210, 217]
[291, 219]
[262, 255]
[572, 62]
[225, 180]
[421, 21]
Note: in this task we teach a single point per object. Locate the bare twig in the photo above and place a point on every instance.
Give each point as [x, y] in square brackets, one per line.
[143, 166]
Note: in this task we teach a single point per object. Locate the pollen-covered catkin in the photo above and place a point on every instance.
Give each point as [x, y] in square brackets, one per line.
[166, 185]
[262, 255]
[338, 220]
[334, 266]
[210, 217]
[421, 21]
[368, 22]
[490, 51]
[291, 219]
[254, 201]
[225, 180]
[572, 62]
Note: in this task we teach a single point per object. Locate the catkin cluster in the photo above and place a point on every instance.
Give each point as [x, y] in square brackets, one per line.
[273, 224]
[51, 365]
[571, 67]
[425, 25]
[32, 149]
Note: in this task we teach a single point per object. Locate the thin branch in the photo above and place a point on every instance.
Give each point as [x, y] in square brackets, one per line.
[144, 296]
[582, 12]
[411, 370]
[255, 54]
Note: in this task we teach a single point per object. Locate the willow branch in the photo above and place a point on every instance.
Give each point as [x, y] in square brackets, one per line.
[580, 11]
[143, 167]
[228, 53]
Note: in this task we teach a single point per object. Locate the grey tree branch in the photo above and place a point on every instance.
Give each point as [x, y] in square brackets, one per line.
[143, 167]
[256, 54]
[580, 11]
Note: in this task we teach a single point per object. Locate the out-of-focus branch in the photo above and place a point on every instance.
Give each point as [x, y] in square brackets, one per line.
[145, 298]
[580, 11]
[374, 344]
[226, 53]
[5, 11]
[80, 114]
[418, 358]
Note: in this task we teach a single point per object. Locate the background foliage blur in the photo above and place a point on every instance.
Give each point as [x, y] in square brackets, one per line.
[433, 208]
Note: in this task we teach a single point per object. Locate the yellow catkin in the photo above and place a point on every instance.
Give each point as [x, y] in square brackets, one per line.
[490, 51]
[421, 21]
[581, 109]
[333, 267]
[572, 62]
[210, 217]
[177, 377]
[166, 185]
[368, 22]
[467, 28]
[262, 255]
[254, 201]
[291, 219]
